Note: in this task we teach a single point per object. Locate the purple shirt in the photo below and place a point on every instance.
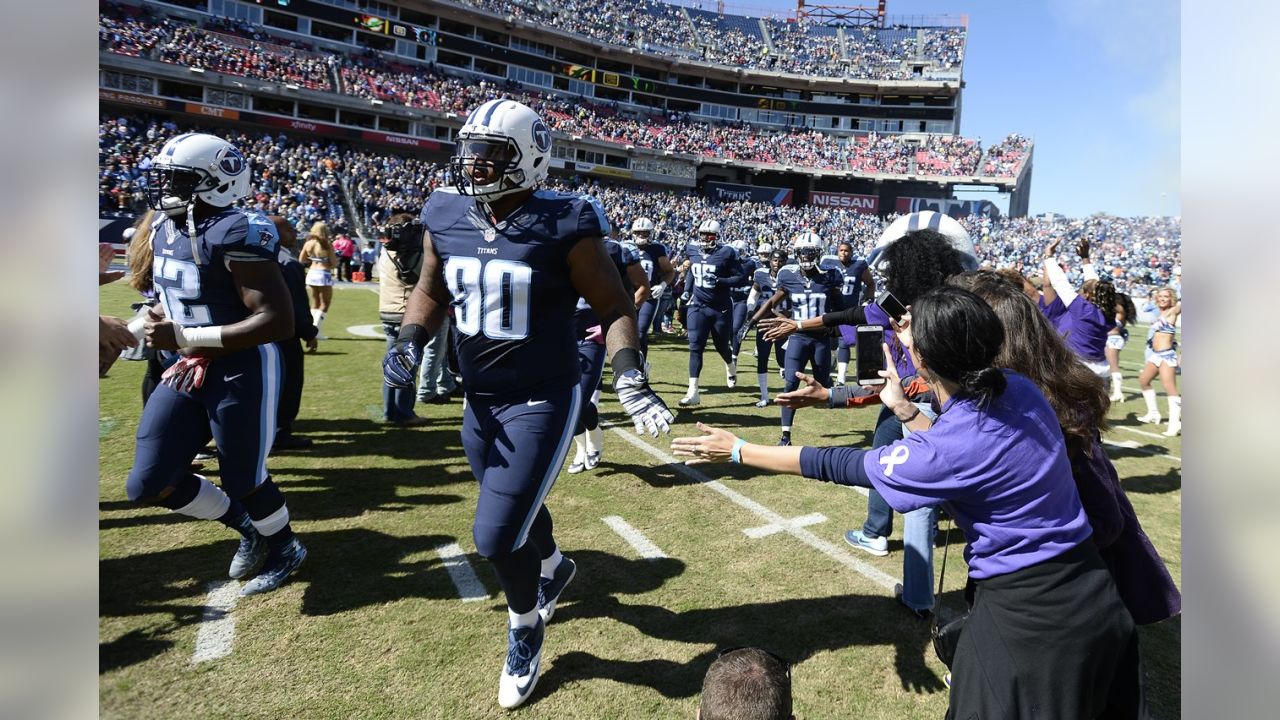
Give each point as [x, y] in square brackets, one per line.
[1002, 472]
[1082, 325]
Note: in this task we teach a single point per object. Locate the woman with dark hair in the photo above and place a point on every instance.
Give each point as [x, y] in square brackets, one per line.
[1048, 631]
[1076, 315]
[1032, 348]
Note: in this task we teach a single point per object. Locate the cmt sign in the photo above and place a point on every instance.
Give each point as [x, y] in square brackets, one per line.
[955, 208]
[865, 204]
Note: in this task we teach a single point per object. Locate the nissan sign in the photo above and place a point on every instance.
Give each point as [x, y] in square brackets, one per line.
[866, 204]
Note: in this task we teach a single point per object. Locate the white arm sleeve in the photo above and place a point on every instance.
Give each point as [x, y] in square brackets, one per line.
[1058, 279]
[1089, 272]
[751, 296]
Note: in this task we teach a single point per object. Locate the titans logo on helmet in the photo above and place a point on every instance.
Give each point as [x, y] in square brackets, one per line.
[541, 136]
[231, 162]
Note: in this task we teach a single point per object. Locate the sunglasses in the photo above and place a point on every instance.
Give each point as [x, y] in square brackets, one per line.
[786, 664]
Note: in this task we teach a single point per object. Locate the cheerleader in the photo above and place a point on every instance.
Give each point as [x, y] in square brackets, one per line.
[1117, 337]
[1162, 359]
[320, 259]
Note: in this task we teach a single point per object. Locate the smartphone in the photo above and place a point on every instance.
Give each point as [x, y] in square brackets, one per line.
[870, 354]
[891, 306]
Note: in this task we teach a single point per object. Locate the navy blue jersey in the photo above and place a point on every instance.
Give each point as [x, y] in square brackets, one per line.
[192, 278]
[811, 296]
[648, 255]
[767, 283]
[852, 274]
[712, 276]
[497, 276]
[740, 292]
[623, 255]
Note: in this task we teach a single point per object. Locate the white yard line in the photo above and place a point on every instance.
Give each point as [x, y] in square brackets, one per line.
[636, 539]
[1132, 445]
[831, 550]
[470, 589]
[217, 626]
[802, 521]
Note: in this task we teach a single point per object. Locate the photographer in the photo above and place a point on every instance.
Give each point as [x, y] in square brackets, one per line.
[398, 269]
[1048, 630]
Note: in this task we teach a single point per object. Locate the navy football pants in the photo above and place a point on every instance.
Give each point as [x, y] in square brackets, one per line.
[704, 321]
[644, 322]
[591, 361]
[515, 446]
[739, 319]
[805, 350]
[238, 403]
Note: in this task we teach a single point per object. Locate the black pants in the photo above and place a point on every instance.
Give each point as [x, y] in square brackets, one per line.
[291, 388]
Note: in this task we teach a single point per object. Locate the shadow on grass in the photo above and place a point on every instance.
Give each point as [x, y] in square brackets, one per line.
[1169, 481]
[794, 629]
[346, 570]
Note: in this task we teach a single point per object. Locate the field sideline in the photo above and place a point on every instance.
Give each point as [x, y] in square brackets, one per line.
[373, 626]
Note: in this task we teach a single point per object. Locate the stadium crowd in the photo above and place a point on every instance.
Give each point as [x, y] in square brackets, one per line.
[300, 180]
[244, 52]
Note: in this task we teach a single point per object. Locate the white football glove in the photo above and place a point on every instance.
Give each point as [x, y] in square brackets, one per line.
[646, 409]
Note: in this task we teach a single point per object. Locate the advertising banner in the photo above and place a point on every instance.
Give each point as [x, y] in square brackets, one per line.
[955, 208]
[729, 192]
[866, 204]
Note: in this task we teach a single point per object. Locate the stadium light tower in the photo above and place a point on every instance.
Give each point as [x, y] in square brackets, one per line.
[849, 15]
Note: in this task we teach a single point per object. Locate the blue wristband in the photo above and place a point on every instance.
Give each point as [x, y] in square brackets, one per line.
[736, 453]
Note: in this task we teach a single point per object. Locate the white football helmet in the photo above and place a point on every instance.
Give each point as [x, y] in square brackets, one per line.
[641, 230]
[808, 248]
[945, 225]
[709, 234]
[763, 250]
[196, 165]
[509, 140]
[740, 246]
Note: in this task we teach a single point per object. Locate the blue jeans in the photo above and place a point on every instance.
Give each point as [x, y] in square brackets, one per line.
[436, 378]
[919, 526]
[397, 403]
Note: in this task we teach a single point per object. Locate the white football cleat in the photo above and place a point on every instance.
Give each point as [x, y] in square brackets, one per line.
[690, 400]
[524, 661]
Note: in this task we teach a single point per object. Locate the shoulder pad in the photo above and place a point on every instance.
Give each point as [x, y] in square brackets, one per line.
[443, 209]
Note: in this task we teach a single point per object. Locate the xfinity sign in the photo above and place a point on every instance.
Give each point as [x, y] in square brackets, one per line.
[866, 204]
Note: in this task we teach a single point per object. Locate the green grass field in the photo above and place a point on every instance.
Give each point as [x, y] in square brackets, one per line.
[373, 626]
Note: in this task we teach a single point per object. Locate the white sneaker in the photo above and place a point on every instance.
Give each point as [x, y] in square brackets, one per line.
[595, 447]
[1118, 397]
[1153, 418]
[731, 375]
[579, 458]
[1175, 428]
[690, 400]
[524, 660]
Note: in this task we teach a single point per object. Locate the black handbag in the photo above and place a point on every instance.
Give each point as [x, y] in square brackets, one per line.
[947, 625]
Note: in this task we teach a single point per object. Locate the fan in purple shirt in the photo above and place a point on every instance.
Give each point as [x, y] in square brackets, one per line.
[1080, 322]
[1048, 633]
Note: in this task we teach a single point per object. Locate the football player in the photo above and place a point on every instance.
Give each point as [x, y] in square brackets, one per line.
[811, 291]
[224, 303]
[859, 287]
[740, 293]
[711, 271]
[659, 271]
[589, 436]
[512, 260]
[764, 285]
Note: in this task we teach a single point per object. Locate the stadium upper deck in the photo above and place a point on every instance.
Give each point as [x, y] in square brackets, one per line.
[619, 119]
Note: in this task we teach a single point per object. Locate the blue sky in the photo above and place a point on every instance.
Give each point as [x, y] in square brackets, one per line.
[1095, 82]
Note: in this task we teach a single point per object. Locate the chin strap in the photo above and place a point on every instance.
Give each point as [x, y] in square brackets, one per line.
[191, 231]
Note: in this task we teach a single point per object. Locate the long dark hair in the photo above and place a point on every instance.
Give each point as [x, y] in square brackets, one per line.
[1125, 303]
[1033, 348]
[959, 337]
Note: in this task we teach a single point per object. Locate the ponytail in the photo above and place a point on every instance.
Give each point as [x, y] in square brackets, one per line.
[983, 385]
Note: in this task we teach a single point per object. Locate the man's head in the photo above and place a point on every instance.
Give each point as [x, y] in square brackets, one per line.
[845, 252]
[746, 684]
[196, 166]
[288, 238]
[504, 147]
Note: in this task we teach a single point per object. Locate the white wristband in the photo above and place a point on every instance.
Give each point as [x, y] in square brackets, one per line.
[198, 336]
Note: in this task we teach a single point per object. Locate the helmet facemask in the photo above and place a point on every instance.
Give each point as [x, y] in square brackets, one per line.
[487, 168]
[708, 241]
[173, 189]
[807, 256]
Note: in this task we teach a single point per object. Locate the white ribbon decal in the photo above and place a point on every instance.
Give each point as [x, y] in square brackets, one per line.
[895, 458]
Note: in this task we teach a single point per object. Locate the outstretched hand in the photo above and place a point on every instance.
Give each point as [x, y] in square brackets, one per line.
[714, 445]
[811, 393]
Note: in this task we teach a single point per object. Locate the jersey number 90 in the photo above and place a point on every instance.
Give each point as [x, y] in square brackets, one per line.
[492, 297]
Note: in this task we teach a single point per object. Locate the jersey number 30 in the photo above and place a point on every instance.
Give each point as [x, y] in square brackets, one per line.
[492, 297]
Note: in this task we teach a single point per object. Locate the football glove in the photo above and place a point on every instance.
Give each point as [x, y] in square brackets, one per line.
[400, 366]
[656, 292]
[186, 374]
[742, 334]
[646, 409]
